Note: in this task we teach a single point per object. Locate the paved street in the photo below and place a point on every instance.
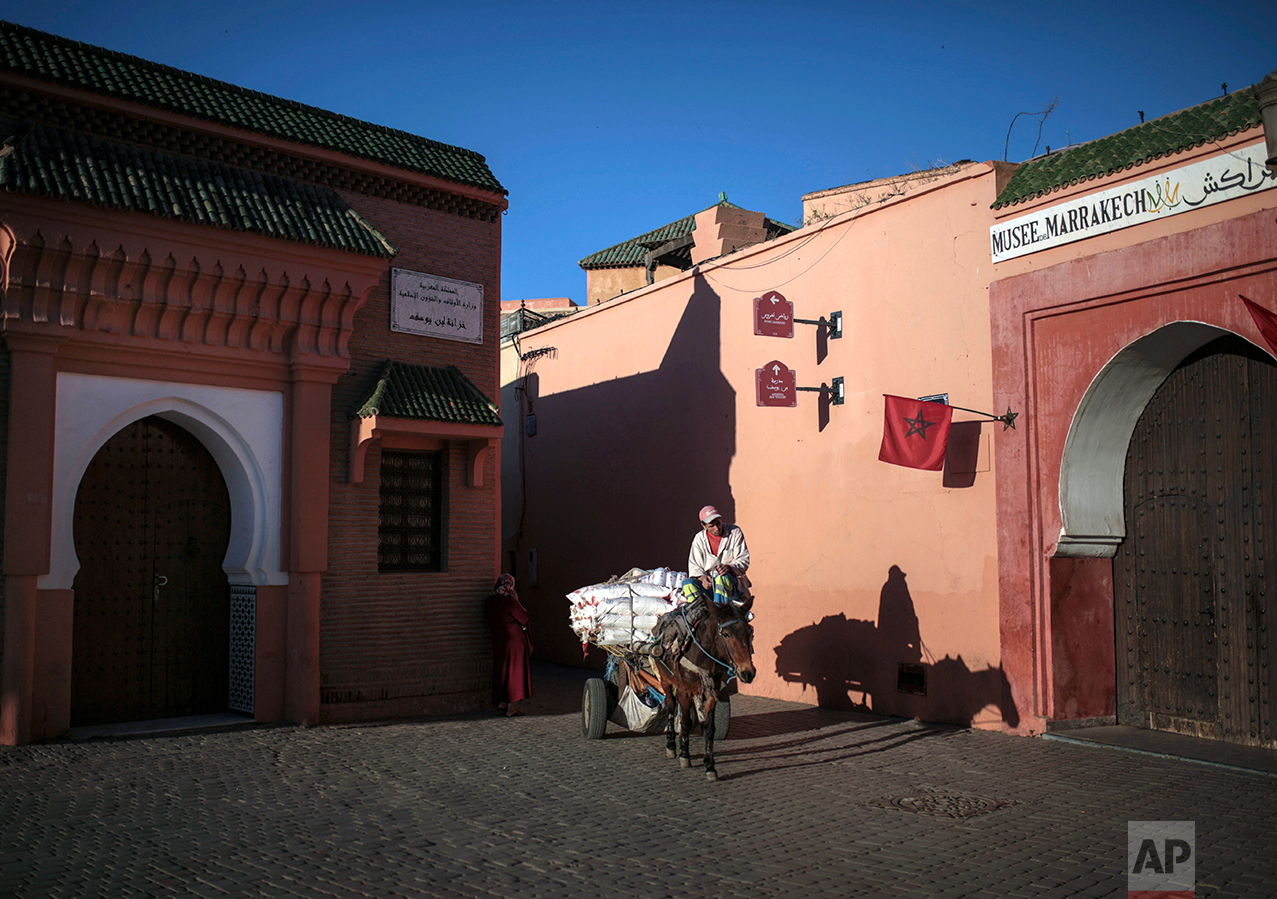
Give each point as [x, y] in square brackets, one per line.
[812, 803]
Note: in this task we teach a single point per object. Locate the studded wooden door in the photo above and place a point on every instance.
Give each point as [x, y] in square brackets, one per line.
[1191, 578]
[151, 607]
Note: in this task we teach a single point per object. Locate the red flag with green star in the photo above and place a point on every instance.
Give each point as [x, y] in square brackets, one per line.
[915, 434]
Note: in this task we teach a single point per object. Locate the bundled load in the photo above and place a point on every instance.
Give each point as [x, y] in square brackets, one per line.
[623, 611]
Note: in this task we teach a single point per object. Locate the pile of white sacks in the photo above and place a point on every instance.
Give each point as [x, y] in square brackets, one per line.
[623, 611]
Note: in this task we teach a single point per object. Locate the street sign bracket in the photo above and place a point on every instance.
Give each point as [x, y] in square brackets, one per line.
[833, 324]
[835, 389]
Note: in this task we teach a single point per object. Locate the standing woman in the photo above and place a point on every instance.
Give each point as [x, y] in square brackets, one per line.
[511, 647]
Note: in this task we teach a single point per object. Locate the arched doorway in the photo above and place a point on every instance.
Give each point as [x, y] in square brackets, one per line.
[1191, 576]
[150, 634]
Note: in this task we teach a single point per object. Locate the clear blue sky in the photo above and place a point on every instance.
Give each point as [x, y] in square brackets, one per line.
[605, 120]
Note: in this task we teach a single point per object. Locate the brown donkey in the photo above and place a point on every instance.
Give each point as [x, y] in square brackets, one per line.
[707, 645]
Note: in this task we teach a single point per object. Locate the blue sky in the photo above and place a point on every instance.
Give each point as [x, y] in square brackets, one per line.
[605, 120]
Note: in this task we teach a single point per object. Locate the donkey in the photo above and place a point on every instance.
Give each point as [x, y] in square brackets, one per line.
[709, 644]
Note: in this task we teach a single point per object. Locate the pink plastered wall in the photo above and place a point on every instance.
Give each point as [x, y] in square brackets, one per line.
[645, 410]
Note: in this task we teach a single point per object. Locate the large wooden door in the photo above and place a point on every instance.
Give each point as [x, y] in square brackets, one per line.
[152, 603]
[1191, 578]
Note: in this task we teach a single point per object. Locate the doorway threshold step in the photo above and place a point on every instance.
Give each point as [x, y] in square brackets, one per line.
[157, 726]
[1169, 745]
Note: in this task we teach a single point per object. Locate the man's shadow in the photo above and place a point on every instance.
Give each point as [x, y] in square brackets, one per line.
[881, 666]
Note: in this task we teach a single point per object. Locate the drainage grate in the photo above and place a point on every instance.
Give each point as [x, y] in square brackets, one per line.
[942, 805]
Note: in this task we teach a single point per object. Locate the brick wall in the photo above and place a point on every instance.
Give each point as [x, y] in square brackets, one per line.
[411, 642]
[4, 442]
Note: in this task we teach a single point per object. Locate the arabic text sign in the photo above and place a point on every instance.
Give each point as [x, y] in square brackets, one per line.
[436, 307]
[774, 385]
[1202, 183]
[773, 315]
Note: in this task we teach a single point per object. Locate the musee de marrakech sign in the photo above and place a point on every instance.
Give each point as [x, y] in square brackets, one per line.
[436, 307]
[1203, 183]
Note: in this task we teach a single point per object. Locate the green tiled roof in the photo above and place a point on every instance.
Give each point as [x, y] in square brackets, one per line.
[46, 57]
[1160, 137]
[634, 251]
[427, 393]
[53, 163]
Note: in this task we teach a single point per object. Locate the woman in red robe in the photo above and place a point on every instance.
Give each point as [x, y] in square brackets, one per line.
[511, 647]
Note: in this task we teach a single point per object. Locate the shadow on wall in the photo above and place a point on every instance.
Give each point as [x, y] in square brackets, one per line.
[618, 469]
[880, 667]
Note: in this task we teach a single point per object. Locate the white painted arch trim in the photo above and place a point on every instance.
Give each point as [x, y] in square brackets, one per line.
[1091, 502]
[242, 430]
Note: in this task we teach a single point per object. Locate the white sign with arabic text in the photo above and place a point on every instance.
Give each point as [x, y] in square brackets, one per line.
[436, 307]
[1198, 184]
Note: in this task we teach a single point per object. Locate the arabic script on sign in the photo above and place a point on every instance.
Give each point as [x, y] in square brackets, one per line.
[774, 385]
[436, 307]
[1203, 183]
[773, 315]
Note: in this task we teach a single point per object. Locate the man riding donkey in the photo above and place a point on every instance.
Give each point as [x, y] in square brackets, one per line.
[716, 566]
[717, 561]
[694, 670]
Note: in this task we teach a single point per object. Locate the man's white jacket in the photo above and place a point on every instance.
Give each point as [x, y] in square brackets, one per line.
[732, 551]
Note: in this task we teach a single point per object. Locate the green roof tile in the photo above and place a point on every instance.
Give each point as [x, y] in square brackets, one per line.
[47, 57]
[428, 393]
[1151, 140]
[634, 251]
[54, 163]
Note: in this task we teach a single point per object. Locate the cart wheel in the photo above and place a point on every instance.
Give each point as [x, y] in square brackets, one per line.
[594, 709]
[722, 717]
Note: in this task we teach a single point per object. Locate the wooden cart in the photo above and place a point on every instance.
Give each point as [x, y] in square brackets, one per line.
[604, 698]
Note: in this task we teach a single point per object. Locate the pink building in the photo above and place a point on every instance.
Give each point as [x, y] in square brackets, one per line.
[1095, 293]
[250, 463]
[871, 579]
[1134, 508]
[670, 249]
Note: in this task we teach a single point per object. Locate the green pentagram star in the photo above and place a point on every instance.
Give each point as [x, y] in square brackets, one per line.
[919, 426]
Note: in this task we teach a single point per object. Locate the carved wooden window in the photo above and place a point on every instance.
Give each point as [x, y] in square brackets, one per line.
[410, 526]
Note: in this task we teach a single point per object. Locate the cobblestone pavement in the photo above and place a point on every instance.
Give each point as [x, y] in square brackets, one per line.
[812, 803]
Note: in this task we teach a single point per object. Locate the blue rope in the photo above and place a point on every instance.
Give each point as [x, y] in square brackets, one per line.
[731, 669]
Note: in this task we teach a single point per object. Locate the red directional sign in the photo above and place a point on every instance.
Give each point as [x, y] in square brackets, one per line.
[773, 315]
[775, 385]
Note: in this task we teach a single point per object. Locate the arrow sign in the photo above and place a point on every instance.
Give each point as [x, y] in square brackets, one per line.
[773, 315]
[775, 385]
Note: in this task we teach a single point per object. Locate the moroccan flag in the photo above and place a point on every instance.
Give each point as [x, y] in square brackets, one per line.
[915, 434]
[1265, 321]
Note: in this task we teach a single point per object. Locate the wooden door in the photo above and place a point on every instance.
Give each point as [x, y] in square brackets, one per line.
[151, 621]
[1191, 578]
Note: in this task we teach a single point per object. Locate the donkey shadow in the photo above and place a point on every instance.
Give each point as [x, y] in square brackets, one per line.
[880, 666]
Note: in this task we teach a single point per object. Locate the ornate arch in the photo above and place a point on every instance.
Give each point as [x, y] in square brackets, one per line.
[1092, 520]
[242, 429]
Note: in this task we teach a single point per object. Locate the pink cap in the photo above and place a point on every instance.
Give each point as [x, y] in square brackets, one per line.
[709, 513]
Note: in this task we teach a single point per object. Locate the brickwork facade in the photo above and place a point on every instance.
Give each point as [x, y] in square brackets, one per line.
[251, 307]
[429, 623]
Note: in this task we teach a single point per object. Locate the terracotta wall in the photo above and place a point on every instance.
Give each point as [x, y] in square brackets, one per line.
[646, 410]
[603, 284]
[1059, 318]
[412, 642]
[4, 442]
